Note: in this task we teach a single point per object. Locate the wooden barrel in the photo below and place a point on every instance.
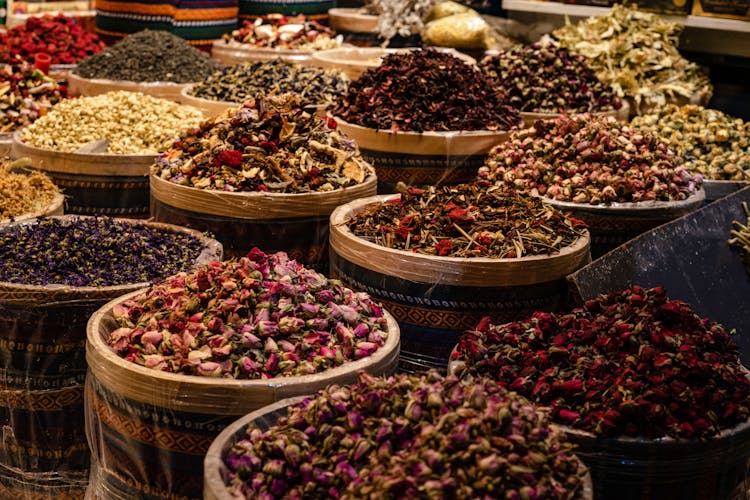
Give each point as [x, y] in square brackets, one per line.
[237, 53]
[423, 158]
[215, 471]
[614, 224]
[621, 114]
[149, 430]
[434, 299]
[95, 183]
[294, 223]
[719, 189]
[43, 368]
[80, 86]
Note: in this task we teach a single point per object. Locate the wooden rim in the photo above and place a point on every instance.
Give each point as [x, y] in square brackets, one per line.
[236, 53]
[94, 164]
[257, 205]
[354, 61]
[209, 107]
[455, 143]
[459, 271]
[352, 20]
[209, 395]
[621, 114]
[640, 208]
[38, 294]
[54, 208]
[80, 86]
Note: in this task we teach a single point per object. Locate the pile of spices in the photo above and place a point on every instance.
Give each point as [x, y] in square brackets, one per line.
[426, 90]
[245, 81]
[589, 159]
[631, 363]
[741, 238]
[23, 193]
[419, 436]
[708, 141]
[276, 31]
[467, 221]
[259, 317]
[92, 251]
[149, 56]
[133, 123]
[25, 95]
[636, 53]
[57, 36]
[547, 78]
[399, 17]
[275, 144]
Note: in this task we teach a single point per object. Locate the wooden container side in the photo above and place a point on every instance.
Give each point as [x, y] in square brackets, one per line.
[80, 86]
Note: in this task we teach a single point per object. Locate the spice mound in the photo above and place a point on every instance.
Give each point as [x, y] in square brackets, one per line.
[259, 317]
[149, 56]
[631, 363]
[426, 90]
[25, 95]
[708, 141]
[407, 436]
[636, 53]
[276, 31]
[23, 193]
[467, 221]
[589, 159]
[245, 81]
[741, 238]
[92, 251]
[275, 144]
[547, 78]
[60, 37]
[132, 122]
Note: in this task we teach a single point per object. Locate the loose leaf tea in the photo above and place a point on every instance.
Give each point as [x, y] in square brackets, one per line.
[636, 53]
[276, 31]
[741, 238]
[407, 436]
[133, 123]
[254, 80]
[631, 363]
[25, 95]
[467, 221]
[589, 159]
[23, 193]
[425, 90]
[275, 144]
[708, 141]
[60, 37]
[547, 78]
[92, 251]
[399, 17]
[149, 56]
[259, 317]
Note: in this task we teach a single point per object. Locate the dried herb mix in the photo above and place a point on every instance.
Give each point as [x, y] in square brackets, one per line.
[741, 238]
[636, 53]
[149, 56]
[631, 363]
[23, 193]
[399, 17]
[276, 31]
[92, 251]
[253, 80]
[57, 36]
[589, 159]
[418, 436]
[259, 317]
[25, 95]
[425, 90]
[708, 141]
[467, 221]
[547, 78]
[275, 144]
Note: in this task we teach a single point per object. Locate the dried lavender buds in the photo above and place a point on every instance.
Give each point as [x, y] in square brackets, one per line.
[631, 363]
[25, 95]
[92, 251]
[23, 193]
[708, 141]
[425, 90]
[467, 221]
[636, 53]
[406, 436]
[547, 78]
[254, 80]
[149, 56]
[133, 123]
[741, 237]
[276, 31]
[260, 317]
[589, 159]
[275, 144]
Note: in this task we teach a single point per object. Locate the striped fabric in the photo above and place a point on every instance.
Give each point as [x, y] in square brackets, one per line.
[200, 22]
[314, 9]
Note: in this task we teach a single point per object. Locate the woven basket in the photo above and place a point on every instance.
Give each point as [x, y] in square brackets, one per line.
[79, 86]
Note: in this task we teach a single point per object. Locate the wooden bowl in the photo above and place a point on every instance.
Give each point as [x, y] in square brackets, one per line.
[79, 86]
[54, 208]
[209, 107]
[353, 20]
[621, 114]
[238, 53]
